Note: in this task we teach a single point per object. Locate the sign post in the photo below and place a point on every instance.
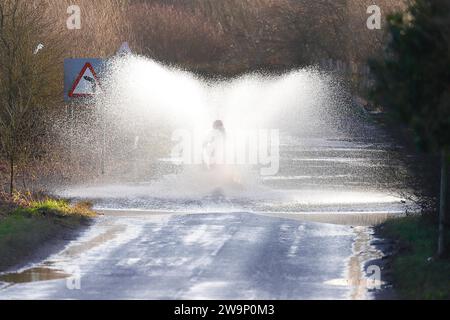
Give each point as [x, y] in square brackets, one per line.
[82, 79]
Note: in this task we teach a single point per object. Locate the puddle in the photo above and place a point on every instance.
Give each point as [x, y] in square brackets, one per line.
[33, 275]
[46, 273]
[356, 279]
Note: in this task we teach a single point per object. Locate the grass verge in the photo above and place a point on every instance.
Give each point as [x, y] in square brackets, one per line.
[416, 274]
[26, 230]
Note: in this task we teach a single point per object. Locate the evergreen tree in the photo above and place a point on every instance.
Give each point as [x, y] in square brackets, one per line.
[412, 81]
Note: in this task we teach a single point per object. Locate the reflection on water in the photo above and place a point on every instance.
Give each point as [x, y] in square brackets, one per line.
[46, 270]
[357, 279]
[33, 275]
[349, 219]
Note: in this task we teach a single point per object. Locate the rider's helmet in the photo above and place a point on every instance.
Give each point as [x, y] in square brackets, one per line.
[218, 125]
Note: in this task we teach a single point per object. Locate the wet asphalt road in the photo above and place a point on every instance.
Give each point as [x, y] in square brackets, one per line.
[197, 256]
[138, 255]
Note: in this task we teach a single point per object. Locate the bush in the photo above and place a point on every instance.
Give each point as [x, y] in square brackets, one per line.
[417, 275]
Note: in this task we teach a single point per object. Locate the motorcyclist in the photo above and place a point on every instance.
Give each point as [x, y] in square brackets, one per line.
[214, 145]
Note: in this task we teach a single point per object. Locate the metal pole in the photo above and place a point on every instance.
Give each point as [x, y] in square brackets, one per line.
[103, 152]
[104, 140]
[443, 202]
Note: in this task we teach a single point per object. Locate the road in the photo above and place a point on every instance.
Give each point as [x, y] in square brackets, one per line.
[132, 255]
[270, 241]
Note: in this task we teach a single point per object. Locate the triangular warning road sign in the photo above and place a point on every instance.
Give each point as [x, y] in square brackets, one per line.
[86, 84]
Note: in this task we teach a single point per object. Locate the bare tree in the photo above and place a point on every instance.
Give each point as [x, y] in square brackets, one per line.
[30, 52]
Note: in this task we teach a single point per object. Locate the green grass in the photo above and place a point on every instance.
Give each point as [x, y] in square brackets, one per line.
[27, 229]
[56, 208]
[9, 225]
[416, 276]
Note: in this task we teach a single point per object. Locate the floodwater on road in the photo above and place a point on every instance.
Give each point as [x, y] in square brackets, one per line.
[328, 175]
[200, 256]
[294, 238]
[301, 234]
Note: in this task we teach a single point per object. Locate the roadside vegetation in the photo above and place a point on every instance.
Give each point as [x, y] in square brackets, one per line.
[28, 225]
[412, 81]
[230, 37]
[416, 273]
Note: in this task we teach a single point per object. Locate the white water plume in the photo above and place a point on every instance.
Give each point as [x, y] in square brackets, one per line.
[142, 102]
[144, 89]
